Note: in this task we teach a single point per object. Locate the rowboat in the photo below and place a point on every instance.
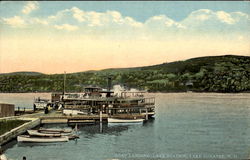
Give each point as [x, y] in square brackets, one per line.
[54, 130]
[116, 120]
[41, 134]
[26, 138]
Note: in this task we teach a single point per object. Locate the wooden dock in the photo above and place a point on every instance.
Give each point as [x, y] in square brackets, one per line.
[32, 122]
[56, 117]
[85, 119]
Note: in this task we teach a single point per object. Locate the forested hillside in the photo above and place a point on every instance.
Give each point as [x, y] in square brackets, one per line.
[205, 74]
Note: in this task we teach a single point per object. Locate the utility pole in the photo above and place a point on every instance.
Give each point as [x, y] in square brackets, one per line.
[64, 82]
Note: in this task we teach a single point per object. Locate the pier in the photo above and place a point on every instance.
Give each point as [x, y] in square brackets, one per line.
[36, 119]
[13, 133]
[54, 117]
[57, 117]
[93, 106]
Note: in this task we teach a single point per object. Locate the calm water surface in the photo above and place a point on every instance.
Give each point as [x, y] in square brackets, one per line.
[187, 126]
[22, 99]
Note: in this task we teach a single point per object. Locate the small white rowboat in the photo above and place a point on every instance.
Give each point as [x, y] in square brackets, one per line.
[26, 138]
[36, 133]
[54, 130]
[116, 120]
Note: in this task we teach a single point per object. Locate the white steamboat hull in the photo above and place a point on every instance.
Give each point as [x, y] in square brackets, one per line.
[40, 105]
[115, 120]
[73, 112]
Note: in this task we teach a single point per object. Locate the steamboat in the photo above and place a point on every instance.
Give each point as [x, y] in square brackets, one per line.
[125, 105]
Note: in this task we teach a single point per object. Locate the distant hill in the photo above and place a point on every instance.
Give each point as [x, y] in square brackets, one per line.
[194, 64]
[22, 73]
[227, 73]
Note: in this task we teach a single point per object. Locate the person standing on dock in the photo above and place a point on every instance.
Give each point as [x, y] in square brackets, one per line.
[34, 107]
[46, 110]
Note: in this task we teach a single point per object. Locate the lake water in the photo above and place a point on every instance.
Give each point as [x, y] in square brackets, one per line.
[22, 100]
[186, 126]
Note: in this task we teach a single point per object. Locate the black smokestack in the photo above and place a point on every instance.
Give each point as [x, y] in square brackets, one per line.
[109, 83]
[109, 87]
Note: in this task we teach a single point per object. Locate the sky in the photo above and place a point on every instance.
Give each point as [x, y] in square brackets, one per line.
[53, 37]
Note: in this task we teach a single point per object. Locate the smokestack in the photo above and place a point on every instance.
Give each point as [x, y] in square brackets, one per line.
[109, 87]
[109, 83]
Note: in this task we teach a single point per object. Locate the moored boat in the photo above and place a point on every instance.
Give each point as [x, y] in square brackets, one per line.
[40, 103]
[54, 130]
[41, 134]
[116, 120]
[27, 138]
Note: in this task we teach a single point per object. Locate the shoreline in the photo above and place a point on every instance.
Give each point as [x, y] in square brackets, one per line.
[147, 92]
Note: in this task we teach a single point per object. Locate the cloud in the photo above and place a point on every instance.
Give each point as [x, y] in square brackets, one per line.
[15, 21]
[39, 21]
[30, 6]
[121, 39]
[93, 19]
[78, 14]
[225, 17]
[66, 27]
[208, 20]
[114, 24]
[163, 22]
[21, 22]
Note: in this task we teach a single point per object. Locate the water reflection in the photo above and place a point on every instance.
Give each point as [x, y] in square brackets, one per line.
[116, 129]
[27, 144]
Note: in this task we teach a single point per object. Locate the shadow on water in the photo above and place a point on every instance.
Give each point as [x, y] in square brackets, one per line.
[39, 144]
[9, 144]
[150, 122]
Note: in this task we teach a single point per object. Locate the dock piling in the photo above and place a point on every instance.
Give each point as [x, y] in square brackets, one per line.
[100, 120]
[146, 114]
